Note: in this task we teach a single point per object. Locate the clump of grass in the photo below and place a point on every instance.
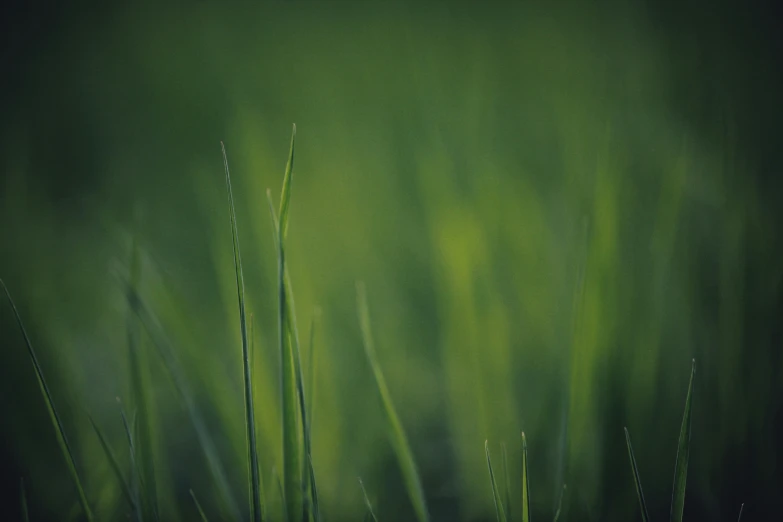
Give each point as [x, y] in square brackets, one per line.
[55, 417]
[396, 433]
[680, 466]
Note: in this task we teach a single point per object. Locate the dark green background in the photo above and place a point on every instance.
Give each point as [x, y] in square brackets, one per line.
[468, 162]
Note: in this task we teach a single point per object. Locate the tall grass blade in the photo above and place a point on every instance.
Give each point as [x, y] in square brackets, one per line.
[167, 355]
[396, 433]
[250, 423]
[292, 395]
[560, 504]
[137, 364]
[115, 466]
[23, 501]
[499, 511]
[683, 453]
[61, 438]
[370, 513]
[506, 480]
[311, 370]
[198, 507]
[260, 475]
[636, 480]
[525, 482]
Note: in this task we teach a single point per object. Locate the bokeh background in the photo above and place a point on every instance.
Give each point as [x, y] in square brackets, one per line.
[555, 206]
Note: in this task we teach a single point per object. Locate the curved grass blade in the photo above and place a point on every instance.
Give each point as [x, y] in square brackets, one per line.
[250, 424]
[560, 504]
[396, 433]
[61, 438]
[683, 453]
[506, 480]
[137, 364]
[637, 482]
[166, 353]
[525, 482]
[499, 511]
[370, 513]
[115, 466]
[285, 195]
[23, 500]
[198, 507]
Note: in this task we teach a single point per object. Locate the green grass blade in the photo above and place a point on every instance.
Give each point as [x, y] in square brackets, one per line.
[311, 369]
[137, 486]
[285, 196]
[140, 401]
[525, 482]
[506, 480]
[260, 475]
[683, 453]
[636, 480]
[370, 512]
[739, 518]
[396, 433]
[23, 502]
[560, 504]
[499, 511]
[198, 507]
[165, 351]
[115, 465]
[250, 423]
[61, 438]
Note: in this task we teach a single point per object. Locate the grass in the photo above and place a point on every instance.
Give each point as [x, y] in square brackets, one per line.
[297, 483]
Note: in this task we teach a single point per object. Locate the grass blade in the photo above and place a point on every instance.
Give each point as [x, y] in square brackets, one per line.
[637, 482]
[115, 466]
[525, 482]
[260, 475]
[250, 424]
[137, 364]
[311, 370]
[683, 453]
[499, 511]
[370, 512]
[560, 504]
[26, 513]
[61, 439]
[198, 507]
[292, 393]
[506, 480]
[396, 433]
[739, 518]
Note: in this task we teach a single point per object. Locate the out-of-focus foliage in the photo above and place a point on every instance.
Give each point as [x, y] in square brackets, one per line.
[554, 209]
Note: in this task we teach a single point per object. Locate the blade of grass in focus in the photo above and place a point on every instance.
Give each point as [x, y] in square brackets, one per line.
[636, 480]
[560, 504]
[166, 353]
[115, 466]
[683, 453]
[311, 369]
[260, 475]
[506, 480]
[525, 482]
[138, 392]
[396, 433]
[250, 423]
[26, 514]
[370, 513]
[55, 417]
[739, 518]
[499, 511]
[198, 507]
[299, 476]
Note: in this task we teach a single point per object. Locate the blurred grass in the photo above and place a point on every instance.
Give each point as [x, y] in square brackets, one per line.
[450, 158]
